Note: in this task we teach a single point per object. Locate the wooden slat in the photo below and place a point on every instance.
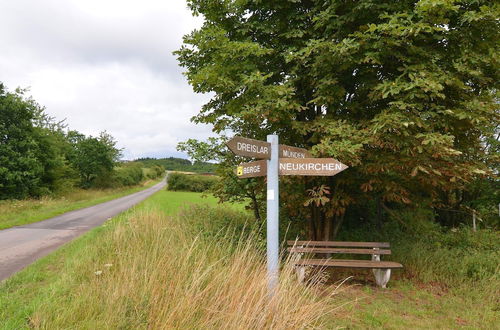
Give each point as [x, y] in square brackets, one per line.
[336, 250]
[349, 263]
[340, 244]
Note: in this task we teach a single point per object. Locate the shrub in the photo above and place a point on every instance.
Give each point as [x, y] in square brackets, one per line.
[125, 175]
[187, 182]
[153, 172]
[129, 175]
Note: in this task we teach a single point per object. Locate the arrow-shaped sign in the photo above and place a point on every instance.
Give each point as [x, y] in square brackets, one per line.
[249, 147]
[310, 166]
[252, 169]
[293, 166]
[259, 149]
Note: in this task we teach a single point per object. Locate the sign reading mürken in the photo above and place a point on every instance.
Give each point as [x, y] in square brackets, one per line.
[310, 166]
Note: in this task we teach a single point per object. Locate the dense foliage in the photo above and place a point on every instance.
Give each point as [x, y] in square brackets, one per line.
[39, 156]
[179, 164]
[191, 182]
[404, 92]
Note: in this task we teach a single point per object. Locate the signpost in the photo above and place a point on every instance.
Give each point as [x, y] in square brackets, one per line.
[273, 215]
[279, 160]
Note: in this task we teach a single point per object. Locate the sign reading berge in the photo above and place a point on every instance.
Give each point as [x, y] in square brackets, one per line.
[252, 169]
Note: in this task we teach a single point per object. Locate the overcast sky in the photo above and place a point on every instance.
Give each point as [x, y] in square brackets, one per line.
[105, 65]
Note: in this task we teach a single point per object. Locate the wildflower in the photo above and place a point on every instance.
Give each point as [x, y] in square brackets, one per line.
[98, 272]
[108, 265]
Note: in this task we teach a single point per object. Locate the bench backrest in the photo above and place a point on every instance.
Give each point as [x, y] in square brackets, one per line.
[339, 247]
[339, 244]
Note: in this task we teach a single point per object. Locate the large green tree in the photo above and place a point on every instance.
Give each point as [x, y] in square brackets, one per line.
[93, 157]
[20, 169]
[404, 92]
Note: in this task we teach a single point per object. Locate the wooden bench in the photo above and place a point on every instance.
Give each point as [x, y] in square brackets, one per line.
[381, 269]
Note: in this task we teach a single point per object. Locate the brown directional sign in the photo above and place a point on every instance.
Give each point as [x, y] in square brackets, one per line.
[293, 152]
[310, 166]
[252, 169]
[249, 147]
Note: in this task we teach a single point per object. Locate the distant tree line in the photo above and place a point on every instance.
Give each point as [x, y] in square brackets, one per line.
[179, 164]
[41, 156]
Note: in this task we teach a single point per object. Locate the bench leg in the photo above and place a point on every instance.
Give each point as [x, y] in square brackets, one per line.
[301, 273]
[382, 276]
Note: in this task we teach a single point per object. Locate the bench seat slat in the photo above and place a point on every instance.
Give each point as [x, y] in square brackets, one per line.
[340, 244]
[336, 250]
[340, 263]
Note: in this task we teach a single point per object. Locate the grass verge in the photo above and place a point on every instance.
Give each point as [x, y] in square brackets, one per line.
[202, 269]
[22, 212]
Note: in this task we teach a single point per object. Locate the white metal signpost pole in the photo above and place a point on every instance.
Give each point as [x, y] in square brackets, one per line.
[273, 214]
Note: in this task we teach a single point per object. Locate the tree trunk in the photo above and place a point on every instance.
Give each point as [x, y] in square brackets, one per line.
[312, 229]
[338, 224]
[316, 223]
[319, 226]
[379, 213]
[328, 226]
[255, 206]
[327, 233]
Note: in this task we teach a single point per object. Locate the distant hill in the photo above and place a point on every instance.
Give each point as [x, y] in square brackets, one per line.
[179, 164]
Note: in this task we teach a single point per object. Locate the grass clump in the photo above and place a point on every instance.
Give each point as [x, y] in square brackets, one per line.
[191, 182]
[154, 271]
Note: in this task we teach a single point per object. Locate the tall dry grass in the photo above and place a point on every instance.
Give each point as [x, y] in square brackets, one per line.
[157, 272]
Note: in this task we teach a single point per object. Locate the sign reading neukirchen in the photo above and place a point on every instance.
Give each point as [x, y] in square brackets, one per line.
[311, 166]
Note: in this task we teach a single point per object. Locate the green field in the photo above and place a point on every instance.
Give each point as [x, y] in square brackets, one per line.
[22, 212]
[169, 262]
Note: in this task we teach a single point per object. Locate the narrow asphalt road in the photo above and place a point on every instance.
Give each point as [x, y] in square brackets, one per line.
[22, 245]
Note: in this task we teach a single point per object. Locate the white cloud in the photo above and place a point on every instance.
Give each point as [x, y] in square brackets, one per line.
[105, 65]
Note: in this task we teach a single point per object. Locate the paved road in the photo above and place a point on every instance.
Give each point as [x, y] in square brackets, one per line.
[22, 245]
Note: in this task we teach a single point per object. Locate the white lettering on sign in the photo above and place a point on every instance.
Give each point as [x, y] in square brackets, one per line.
[248, 147]
[310, 167]
[251, 169]
[293, 154]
